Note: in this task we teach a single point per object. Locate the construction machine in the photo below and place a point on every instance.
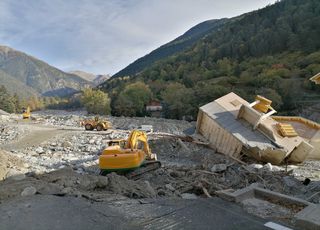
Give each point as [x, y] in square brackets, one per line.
[97, 124]
[26, 113]
[132, 159]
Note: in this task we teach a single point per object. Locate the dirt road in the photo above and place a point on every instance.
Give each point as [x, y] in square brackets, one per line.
[38, 134]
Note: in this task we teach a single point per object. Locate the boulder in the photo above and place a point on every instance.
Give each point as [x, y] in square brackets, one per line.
[188, 196]
[39, 150]
[29, 191]
[67, 144]
[219, 168]
[170, 187]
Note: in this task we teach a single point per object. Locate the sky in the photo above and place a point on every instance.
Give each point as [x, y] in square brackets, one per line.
[104, 36]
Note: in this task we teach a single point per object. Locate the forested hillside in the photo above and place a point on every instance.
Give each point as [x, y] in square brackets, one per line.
[272, 51]
[179, 44]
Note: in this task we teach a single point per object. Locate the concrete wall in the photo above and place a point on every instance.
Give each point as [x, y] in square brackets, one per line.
[219, 138]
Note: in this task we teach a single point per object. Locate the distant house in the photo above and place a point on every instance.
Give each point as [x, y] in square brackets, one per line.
[234, 126]
[316, 79]
[154, 108]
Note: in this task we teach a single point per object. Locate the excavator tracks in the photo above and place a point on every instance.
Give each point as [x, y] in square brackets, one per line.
[146, 167]
[137, 173]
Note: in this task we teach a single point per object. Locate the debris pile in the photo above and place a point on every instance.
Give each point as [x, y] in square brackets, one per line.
[67, 165]
[10, 165]
[68, 182]
[70, 120]
[233, 126]
[78, 151]
[10, 133]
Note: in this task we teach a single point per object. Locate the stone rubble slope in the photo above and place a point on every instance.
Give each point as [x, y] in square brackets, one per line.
[10, 133]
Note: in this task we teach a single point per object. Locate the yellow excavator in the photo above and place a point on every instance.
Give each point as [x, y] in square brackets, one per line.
[26, 113]
[132, 159]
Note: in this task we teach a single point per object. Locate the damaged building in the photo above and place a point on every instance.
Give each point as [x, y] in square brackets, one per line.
[234, 126]
[316, 79]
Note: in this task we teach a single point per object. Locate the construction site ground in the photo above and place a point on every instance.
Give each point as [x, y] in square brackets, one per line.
[50, 163]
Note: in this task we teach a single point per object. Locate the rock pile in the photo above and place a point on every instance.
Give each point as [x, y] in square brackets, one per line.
[11, 166]
[66, 181]
[10, 133]
[69, 121]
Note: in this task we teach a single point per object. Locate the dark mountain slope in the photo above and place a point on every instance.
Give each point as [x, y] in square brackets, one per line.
[179, 44]
[272, 51]
[35, 74]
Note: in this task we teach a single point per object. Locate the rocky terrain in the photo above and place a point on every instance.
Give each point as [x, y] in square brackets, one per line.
[53, 155]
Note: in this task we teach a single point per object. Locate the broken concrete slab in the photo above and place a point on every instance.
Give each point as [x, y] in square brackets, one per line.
[307, 218]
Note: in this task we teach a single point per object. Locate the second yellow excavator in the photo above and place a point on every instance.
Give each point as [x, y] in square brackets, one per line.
[133, 159]
[26, 113]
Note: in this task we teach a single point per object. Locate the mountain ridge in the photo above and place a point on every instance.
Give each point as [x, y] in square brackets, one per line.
[95, 79]
[178, 44]
[36, 74]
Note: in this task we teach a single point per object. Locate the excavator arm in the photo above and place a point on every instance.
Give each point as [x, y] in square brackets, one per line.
[134, 138]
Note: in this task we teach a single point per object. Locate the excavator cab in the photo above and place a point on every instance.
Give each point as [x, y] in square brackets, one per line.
[134, 155]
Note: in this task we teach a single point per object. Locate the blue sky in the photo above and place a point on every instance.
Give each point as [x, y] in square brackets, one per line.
[104, 36]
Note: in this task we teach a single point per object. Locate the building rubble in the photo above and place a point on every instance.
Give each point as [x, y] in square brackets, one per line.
[233, 126]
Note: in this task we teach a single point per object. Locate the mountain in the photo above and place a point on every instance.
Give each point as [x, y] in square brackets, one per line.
[84, 75]
[179, 44]
[94, 79]
[26, 75]
[100, 78]
[15, 86]
[271, 51]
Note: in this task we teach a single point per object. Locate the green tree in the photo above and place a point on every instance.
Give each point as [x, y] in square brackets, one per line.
[95, 101]
[35, 103]
[6, 101]
[206, 93]
[17, 103]
[178, 100]
[132, 100]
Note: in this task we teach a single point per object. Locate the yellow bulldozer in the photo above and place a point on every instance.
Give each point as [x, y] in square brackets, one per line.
[97, 124]
[131, 157]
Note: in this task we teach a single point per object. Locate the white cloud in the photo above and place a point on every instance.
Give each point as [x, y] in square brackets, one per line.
[104, 36]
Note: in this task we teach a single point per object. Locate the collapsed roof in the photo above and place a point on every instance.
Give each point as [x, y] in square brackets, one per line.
[232, 126]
